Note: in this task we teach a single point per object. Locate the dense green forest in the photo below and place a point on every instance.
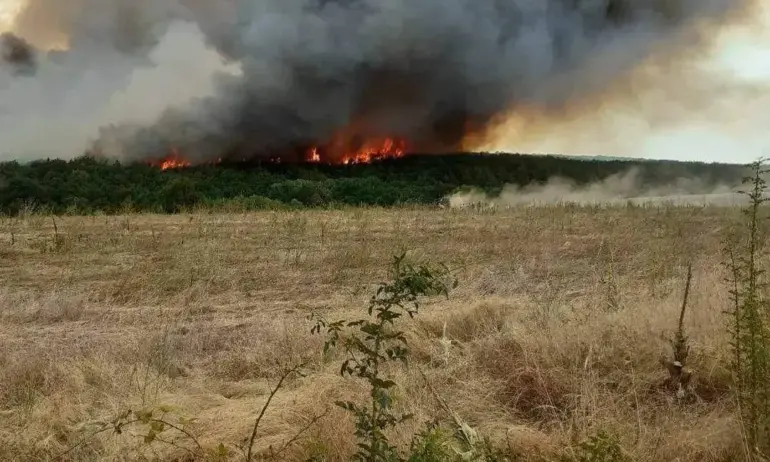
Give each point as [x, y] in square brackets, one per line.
[86, 185]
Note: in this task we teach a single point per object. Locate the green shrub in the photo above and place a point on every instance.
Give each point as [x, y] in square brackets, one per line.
[748, 315]
[370, 343]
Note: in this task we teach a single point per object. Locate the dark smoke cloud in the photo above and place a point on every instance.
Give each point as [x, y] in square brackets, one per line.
[426, 70]
[17, 53]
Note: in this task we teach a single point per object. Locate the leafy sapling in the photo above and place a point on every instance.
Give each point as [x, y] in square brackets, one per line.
[371, 343]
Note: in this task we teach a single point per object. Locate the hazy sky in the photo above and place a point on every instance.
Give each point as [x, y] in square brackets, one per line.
[8, 9]
[731, 125]
[745, 55]
[735, 130]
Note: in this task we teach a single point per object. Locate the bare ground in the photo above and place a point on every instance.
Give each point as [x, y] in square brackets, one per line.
[558, 325]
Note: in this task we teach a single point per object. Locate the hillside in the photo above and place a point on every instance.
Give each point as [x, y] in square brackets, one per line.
[85, 184]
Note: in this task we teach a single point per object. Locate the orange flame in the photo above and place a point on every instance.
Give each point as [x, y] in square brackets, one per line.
[334, 153]
[371, 150]
[387, 148]
[314, 155]
[173, 160]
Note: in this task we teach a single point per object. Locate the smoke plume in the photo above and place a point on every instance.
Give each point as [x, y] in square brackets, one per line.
[132, 78]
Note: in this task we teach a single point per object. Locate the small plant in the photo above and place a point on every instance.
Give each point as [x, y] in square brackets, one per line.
[58, 242]
[679, 376]
[431, 445]
[465, 443]
[680, 342]
[371, 343]
[160, 424]
[609, 279]
[275, 453]
[748, 324]
[601, 447]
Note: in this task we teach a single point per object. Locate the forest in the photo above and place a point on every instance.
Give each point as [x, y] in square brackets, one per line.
[87, 185]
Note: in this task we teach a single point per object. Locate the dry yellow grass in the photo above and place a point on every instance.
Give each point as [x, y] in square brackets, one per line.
[558, 325]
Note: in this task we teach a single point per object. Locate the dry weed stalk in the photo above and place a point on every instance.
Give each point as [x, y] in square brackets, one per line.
[274, 454]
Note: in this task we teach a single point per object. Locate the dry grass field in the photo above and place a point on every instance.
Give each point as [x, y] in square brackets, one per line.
[557, 326]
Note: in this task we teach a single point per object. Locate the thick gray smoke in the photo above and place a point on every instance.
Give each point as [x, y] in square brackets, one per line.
[301, 70]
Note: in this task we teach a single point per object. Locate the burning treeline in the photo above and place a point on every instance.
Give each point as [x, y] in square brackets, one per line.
[334, 81]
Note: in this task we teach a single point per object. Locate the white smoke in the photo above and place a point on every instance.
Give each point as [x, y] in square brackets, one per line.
[618, 189]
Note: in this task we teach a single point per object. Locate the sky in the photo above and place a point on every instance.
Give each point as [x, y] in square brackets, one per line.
[8, 9]
[737, 130]
[745, 55]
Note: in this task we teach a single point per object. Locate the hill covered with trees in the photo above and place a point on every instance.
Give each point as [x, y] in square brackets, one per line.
[86, 185]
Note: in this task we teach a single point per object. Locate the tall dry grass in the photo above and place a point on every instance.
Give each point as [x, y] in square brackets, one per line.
[556, 330]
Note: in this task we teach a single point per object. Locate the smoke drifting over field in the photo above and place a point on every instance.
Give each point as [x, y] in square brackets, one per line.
[621, 188]
[265, 77]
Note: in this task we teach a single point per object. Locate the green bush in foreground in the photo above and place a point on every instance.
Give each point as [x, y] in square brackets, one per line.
[371, 343]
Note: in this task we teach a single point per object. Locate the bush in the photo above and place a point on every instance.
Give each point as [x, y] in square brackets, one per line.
[241, 204]
[178, 194]
[306, 192]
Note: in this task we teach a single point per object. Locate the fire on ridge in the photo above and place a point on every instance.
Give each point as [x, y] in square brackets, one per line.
[363, 153]
[459, 67]
[336, 152]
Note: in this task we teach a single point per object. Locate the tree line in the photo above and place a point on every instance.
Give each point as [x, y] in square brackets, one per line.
[87, 185]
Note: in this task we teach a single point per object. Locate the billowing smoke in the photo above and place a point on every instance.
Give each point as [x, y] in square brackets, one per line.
[262, 77]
